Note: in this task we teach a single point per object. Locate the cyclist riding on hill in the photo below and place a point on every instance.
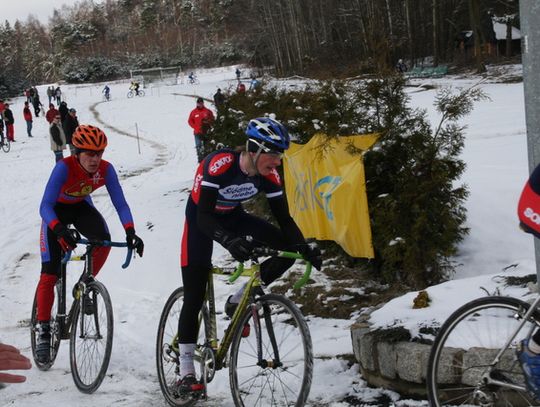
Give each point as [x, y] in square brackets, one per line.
[135, 86]
[66, 201]
[225, 179]
[192, 77]
[107, 92]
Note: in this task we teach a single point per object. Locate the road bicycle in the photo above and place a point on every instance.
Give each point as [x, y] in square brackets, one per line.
[473, 360]
[269, 365]
[132, 93]
[4, 143]
[107, 97]
[90, 332]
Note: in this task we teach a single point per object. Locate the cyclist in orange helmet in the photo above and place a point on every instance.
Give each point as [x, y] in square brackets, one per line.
[66, 201]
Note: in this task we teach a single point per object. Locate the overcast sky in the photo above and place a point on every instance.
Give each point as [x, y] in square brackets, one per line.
[12, 10]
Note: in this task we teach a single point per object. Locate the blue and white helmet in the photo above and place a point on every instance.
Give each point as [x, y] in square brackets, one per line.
[267, 134]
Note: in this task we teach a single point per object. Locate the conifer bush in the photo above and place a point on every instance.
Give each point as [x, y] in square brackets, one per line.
[416, 199]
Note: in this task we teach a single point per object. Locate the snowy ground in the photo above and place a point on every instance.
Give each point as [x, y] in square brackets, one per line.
[156, 182]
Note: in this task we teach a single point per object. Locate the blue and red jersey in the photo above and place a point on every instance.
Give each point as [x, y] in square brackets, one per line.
[221, 171]
[69, 183]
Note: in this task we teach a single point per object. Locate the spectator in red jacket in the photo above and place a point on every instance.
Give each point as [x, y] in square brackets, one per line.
[27, 114]
[201, 120]
[51, 113]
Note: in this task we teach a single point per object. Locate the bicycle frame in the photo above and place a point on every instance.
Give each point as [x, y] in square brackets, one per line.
[252, 289]
[80, 287]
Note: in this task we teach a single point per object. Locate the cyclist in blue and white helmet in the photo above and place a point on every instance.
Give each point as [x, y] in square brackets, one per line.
[266, 135]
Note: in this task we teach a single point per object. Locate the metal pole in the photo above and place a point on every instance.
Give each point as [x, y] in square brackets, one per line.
[138, 141]
[530, 50]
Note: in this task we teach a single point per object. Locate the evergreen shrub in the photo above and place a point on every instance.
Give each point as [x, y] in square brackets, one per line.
[416, 200]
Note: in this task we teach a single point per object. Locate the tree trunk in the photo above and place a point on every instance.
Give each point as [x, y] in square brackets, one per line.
[508, 39]
[435, 4]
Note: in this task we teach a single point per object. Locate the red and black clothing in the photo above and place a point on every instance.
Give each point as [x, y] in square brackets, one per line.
[214, 209]
[67, 201]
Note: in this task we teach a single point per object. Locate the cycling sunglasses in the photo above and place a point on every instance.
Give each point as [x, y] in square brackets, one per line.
[267, 150]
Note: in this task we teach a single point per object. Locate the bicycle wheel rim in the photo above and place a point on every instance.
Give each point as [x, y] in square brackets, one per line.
[286, 385]
[167, 356]
[6, 146]
[55, 331]
[466, 347]
[91, 340]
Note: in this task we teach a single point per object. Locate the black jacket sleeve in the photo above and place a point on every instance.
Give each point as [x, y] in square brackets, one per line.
[206, 218]
[288, 226]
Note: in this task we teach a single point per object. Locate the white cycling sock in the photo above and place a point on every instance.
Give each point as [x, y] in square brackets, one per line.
[186, 359]
[534, 347]
[235, 298]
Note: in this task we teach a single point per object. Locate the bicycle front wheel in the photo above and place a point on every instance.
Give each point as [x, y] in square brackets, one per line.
[167, 349]
[56, 334]
[272, 364]
[462, 365]
[91, 338]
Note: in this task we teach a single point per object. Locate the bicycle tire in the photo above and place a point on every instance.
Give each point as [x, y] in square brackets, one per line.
[55, 330]
[6, 145]
[466, 345]
[141, 93]
[130, 94]
[288, 384]
[90, 353]
[167, 356]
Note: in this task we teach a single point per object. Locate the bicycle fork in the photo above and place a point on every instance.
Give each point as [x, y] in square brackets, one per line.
[267, 315]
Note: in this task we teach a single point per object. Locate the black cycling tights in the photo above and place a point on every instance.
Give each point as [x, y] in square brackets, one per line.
[199, 261]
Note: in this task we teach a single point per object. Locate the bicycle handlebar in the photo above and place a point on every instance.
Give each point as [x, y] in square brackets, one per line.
[265, 251]
[106, 243]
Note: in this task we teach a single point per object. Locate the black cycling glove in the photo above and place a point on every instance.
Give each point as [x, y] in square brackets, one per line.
[134, 242]
[239, 247]
[311, 254]
[67, 238]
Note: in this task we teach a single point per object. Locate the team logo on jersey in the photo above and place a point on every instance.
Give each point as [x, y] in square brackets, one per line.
[532, 215]
[97, 178]
[220, 163]
[239, 192]
[197, 183]
[79, 190]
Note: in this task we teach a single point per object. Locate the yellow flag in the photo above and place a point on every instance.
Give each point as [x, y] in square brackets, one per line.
[326, 192]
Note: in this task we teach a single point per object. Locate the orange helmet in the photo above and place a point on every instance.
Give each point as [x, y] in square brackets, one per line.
[87, 137]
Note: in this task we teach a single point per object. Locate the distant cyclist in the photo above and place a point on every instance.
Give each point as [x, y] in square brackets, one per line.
[107, 92]
[66, 201]
[225, 179]
[135, 87]
[192, 77]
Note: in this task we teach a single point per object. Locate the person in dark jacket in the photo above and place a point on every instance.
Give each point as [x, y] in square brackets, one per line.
[70, 124]
[219, 100]
[10, 121]
[37, 104]
[63, 109]
[27, 114]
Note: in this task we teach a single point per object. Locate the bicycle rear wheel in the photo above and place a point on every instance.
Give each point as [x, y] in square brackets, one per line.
[55, 330]
[130, 94]
[463, 355]
[273, 368]
[167, 352]
[141, 93]
[91, 339]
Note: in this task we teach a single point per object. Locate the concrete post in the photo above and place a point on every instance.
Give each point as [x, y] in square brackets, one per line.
[530, 49]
